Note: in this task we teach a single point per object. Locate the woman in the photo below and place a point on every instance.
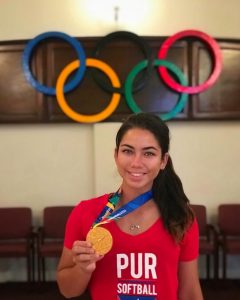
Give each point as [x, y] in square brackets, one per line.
[154, 233]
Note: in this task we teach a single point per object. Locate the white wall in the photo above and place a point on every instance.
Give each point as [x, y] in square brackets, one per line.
[22, 19]
[62, 164]
[42, 165]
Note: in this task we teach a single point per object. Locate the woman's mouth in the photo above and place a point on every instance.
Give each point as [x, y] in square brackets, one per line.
[136, 174]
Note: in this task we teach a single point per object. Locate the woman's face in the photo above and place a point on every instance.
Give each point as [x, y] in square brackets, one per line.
[139, 159]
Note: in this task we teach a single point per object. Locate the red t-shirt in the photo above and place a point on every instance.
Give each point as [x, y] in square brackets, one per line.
[138, 267]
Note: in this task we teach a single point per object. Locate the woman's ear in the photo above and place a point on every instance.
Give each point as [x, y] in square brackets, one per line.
[115, 154]
[164, 161]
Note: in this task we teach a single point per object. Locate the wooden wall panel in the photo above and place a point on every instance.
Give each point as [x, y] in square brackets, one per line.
[20, 102]
[222, 100]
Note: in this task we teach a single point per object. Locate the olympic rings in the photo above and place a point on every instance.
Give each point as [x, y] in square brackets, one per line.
[84, 118]
[143, 64]
[217, 60]
[133, 38]
[128, 87]
[27, 56]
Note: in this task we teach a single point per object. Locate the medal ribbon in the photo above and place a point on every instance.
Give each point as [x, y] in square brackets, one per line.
[107, 215]
[109, 208]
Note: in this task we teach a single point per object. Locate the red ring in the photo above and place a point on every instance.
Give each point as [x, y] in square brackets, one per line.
[217, 62]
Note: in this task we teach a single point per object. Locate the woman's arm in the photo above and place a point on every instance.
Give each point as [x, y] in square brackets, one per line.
[75, 268]
[189, 286]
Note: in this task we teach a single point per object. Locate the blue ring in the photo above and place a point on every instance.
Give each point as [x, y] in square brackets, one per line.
[27, 56]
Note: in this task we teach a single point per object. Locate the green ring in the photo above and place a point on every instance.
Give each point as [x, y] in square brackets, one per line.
[157, 62]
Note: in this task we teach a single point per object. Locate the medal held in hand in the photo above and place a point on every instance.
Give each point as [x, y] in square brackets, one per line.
[100, 238]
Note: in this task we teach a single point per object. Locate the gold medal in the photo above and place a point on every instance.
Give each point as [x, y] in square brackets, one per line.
[101, 239]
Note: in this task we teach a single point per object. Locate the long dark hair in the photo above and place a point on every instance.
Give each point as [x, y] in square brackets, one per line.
[167, 187]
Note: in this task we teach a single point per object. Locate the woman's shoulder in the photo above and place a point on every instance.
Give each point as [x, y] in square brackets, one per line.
[192, 231]
[91, 205]
[86, 211]
[94, 202]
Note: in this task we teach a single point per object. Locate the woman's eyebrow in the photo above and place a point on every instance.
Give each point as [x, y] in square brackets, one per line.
[150, 148]
[144, 148]
[126, 145]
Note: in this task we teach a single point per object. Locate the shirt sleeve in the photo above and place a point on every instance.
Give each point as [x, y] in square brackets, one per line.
[81, 219]
[74, 228]
[190, 243]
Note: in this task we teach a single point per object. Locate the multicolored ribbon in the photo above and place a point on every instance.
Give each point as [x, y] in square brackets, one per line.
[107, 215]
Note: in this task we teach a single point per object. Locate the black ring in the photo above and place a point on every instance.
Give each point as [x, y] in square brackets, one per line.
[140, 82]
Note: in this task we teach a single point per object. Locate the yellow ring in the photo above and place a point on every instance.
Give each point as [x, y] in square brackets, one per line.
[91, 62]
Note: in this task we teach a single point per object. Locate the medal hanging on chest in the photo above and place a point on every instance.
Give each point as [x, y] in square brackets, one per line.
[100, 238]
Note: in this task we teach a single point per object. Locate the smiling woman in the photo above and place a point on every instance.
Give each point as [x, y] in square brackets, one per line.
[62, 163]
[139, 159]
[146, 231]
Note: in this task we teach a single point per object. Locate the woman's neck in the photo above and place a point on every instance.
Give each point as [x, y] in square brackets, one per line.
[128, 194]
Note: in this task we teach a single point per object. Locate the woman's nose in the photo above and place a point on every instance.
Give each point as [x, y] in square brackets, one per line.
[136, 160]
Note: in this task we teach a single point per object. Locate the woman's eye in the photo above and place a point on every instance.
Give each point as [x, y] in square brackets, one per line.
[149, 154]
[127, 151]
